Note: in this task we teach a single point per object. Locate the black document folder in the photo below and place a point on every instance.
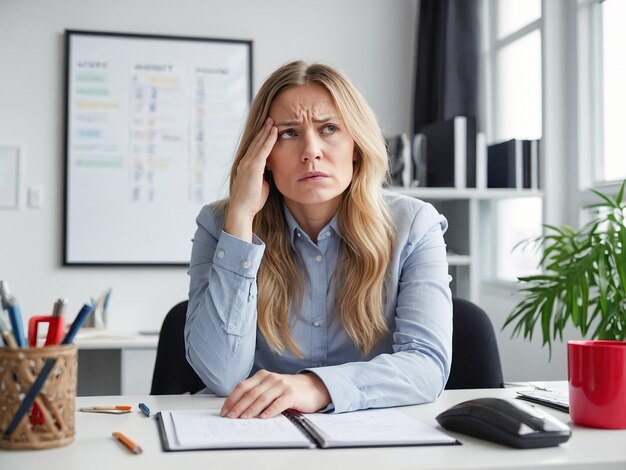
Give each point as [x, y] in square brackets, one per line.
[451, 153]
[205, 429]
[504, 164]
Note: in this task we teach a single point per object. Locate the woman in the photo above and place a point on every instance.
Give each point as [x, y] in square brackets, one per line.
[311, 288]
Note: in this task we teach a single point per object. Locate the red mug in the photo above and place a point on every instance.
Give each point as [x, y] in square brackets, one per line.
[596, 373]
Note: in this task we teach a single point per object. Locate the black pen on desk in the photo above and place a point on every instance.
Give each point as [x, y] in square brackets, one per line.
[28, 400]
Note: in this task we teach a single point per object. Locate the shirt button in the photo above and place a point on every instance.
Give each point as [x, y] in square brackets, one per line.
[316, 323]
[319, 258]
[328, 234]
[246, 264]
[298, 234]
[220, 254]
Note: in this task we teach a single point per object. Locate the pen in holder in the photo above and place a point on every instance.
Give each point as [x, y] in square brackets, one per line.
[19, 368]
[98, 320]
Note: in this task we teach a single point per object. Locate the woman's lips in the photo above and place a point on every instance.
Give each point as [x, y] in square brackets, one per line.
[314, 176]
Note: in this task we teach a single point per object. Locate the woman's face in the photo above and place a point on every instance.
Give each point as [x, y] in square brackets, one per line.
[312, 160]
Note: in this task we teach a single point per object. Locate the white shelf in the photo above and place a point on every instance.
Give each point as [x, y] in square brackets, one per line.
[458, 260]
[466, 193]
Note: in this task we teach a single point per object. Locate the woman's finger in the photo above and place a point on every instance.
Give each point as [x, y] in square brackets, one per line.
[256, 157]
[240, 390]
[259, 141]
[241, 409]
[262, 401]
[276, 407]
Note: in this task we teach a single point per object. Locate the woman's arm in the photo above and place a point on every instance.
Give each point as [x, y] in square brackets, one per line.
[220, 332]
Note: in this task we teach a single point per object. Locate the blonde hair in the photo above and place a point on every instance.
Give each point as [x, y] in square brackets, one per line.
[363, 219]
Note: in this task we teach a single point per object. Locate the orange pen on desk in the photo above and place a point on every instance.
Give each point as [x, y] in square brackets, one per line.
[118, 409]
[129, 443]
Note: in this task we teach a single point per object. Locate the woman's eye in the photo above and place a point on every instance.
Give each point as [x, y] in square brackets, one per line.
[287, 134]
[329, 129]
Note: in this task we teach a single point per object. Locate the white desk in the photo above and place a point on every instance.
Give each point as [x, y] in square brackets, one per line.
[94, 448]
[115, 363]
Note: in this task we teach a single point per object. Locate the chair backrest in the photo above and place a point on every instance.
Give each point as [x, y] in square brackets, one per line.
[475, 356]
[172, 373]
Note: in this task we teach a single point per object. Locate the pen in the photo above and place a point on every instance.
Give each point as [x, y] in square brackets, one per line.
[108, 408]
[144, 409]
[28, 400]
[9, 340]
[78, 323]
[130, 444]
[116, 407]
[4, 294]
[59, 305]
[105, 307]
[16, 321]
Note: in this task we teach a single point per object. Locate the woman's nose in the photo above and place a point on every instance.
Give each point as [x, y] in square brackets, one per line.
[311, 149]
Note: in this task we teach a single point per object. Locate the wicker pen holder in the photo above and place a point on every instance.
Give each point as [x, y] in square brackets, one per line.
[19, 367]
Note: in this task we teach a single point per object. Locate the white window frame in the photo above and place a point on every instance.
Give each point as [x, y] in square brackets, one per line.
[491, 46]
[590, 103]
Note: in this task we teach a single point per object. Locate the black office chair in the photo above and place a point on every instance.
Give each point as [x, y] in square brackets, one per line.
[475, 356]
[172, 373]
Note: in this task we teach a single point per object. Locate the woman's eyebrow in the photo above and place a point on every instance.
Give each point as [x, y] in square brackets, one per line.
[297, 122]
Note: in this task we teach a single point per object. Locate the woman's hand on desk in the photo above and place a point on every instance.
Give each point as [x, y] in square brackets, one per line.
[267, 394]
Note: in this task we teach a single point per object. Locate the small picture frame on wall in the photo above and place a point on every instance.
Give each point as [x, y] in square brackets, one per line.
[9, 176]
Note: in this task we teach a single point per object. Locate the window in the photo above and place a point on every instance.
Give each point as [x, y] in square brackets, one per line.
[601, 93]
[512, 63]
[613, 70]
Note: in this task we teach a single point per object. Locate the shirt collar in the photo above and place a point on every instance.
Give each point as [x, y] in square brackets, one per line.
[295, 231]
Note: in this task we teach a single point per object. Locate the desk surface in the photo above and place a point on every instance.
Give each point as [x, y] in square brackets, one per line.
[105, 339]
[94, 448]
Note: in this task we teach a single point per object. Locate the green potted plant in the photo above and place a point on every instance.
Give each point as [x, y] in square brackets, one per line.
[583, 278]
[584, 281]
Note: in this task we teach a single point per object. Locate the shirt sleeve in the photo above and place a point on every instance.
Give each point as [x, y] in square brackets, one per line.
[417, 370]
[220, 332]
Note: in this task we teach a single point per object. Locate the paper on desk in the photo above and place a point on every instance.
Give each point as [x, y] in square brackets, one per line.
[374, 427]
[207, 429]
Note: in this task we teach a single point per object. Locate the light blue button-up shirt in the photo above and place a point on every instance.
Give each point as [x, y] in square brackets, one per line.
[409, 366]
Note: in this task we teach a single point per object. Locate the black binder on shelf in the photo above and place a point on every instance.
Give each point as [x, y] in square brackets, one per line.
[451, 152]
[503, 160]
[530, 157]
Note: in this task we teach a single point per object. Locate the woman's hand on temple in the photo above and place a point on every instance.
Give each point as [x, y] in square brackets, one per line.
[250, 190]
[267, 394]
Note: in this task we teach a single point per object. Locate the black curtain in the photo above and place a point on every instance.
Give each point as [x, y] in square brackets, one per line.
[446, 83]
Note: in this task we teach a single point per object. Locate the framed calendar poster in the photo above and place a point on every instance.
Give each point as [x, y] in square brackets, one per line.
[152, 124]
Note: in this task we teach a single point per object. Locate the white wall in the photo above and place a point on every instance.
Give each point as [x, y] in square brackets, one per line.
[523, 360]
[371, 40]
